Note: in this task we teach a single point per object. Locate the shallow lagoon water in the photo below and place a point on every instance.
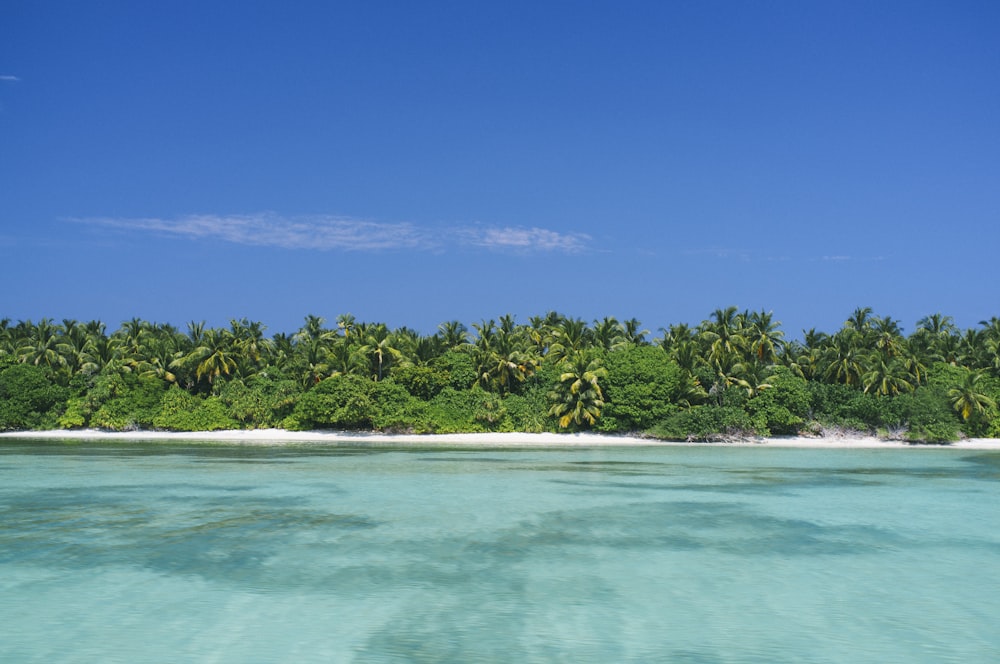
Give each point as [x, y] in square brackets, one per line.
[165, 553]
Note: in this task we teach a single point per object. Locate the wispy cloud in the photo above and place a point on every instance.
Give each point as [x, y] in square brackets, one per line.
[342, 233]
[272, 230]
[721, 253]
[9, 78]
[524, 239]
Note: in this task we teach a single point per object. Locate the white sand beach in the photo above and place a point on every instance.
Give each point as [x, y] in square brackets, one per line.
[280, 436]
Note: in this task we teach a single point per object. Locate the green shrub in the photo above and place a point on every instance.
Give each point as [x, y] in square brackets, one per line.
[422, 382]
[396, 410]
[784, 406]
[927, 414]
[453, 411]
[459, 368]
[28, 400]
[641, 388]
[182, 411]
[260, 402]
[340, 402]
[123, 401]
[528, 412]
[708, 422]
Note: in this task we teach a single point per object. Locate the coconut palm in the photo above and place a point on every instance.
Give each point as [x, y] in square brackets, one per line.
[568, 338]
[967, 398]
[633, 335]
[248, 340]
[887, 378]
[860, 320]
[454, 334]
[763, 336]
[752, 376]
[844, 359]
[722, 334]
[6, 338]
[887, 335]
[346, 359]
[503, 358]
[378, 345]
[608, 334]
[577, 399]
[346, 324]
[43, 346]
[214, 357]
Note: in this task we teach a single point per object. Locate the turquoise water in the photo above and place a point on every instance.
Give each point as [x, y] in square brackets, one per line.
[155, 553]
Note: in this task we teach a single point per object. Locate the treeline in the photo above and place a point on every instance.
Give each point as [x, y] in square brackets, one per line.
[735, 374]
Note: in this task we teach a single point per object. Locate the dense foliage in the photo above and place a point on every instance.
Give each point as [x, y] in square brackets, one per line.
[734, 374]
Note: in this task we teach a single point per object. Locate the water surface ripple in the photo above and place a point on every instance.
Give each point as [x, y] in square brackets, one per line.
[164, 553]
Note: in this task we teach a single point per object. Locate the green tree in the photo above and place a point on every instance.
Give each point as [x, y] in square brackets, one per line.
[643, 386]
[28, 399]
[968, 398]
[577, 399]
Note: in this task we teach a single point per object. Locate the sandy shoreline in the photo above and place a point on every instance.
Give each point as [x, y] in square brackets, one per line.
[279, 437]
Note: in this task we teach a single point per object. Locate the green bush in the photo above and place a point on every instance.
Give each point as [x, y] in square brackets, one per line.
[422, 382]
[784, 406]
[641, 388]
[396, 410]
[340, 402]
[452, 411]
[459, 368]
[927, 414]
[260, 402]
[844, 405]
[123, 401]
[528, 412]
[182, 411]
[28, 400]
[709, 422]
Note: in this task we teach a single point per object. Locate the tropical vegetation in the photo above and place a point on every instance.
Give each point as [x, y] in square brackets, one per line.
[734, 374]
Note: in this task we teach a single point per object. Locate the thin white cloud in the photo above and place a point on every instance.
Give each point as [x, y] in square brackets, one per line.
[8, 77]
[341, 233]
[271, 230]
[524, 239]
[721, 253]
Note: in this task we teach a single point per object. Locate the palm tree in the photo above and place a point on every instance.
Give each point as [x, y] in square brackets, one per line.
[752, 376]
[570, 337]
[633, 335]
[967, 398]
[43, 347]
[346, 359]
[844, 358]
[888, 336]
[765, 339]
[6, 338]
[379, 347]
[248, 340]
[195, 332]
[454, 334]
[346, 323]
[860, 320]
[608, 334]
[723, 337]
[503, 359]
[887, 378]
[578, 399]
[75, 343]
[213, 358]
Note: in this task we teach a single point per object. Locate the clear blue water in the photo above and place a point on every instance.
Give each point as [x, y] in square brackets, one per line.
[154, 553]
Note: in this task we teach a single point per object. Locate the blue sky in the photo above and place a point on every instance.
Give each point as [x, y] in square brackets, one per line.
[418, 162]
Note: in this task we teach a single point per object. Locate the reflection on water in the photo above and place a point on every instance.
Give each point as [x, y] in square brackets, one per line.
[234, 554]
